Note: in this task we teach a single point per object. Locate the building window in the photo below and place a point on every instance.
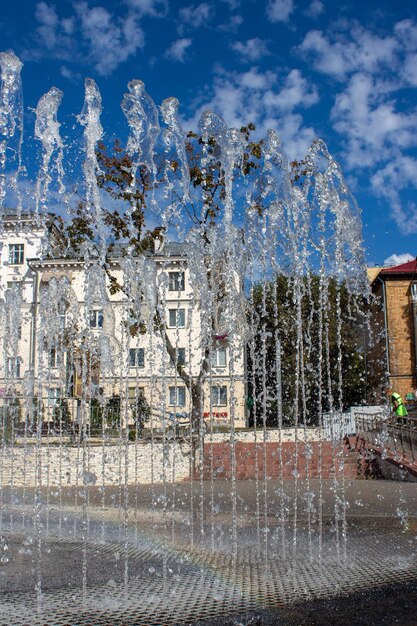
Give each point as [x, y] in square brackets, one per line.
[13, 367]
[177, 396]
[219, 395]
[16, 285]
[176, 318]
[218, 357]
[96, 318]
[175, 281]
[62, 313]
[54, 395]
[134, 393]
[54, 358]
[137, 357]
[16, 253]
[180, 356]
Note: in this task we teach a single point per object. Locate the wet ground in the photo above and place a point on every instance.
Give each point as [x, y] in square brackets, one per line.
[211, 553]
[385, 606]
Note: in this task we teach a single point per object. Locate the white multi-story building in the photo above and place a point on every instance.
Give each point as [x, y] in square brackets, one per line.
[105, 342]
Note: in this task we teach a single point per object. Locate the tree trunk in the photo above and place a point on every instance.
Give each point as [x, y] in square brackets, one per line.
[196, 423]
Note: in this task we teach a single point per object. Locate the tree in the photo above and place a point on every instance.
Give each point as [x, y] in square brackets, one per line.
[96, 417]
[61, 416]
[112, 412]
[300, 220]
[10, 417]
[201, 200]
[311, 361]
[141, 413]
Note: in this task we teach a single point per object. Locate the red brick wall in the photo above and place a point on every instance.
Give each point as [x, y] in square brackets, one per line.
[312, 460]
[401, 336]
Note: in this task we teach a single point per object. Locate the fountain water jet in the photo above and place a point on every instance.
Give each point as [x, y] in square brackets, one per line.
[125, 389]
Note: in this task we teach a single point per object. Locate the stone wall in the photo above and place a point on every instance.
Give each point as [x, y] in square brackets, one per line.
[53, 465]
[131, 463]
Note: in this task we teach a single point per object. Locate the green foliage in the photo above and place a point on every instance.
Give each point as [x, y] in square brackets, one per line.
[112, 412]
[96, 416]
[141, 414]
[61, 416]
[319, 327]
[107, 415]
[10, 416]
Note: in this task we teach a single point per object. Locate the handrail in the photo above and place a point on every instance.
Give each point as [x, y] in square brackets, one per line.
[397, 435]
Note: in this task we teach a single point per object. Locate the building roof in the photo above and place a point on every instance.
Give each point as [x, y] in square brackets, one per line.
[373, 273]
[168, 249]
[409, 268]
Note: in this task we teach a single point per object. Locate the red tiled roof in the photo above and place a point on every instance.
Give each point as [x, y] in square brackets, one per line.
[405, 268]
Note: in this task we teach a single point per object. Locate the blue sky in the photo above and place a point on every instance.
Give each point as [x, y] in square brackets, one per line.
[344, 71]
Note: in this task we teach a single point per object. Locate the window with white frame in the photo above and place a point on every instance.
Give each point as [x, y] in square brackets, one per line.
[137, 357]
[218, 357]
[54, 395]
[219, 395]
[62, 313]
[180, 356]
[16, 253]
[13, 367]
[54, 357]
[177, 396]
[176, 318]
[176, 281]
[96, 318]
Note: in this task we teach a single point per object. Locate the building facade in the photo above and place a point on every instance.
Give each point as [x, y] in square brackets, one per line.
[107, 345]
[393, 355]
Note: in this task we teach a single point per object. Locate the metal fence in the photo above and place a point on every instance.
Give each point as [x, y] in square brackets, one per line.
[393, 434]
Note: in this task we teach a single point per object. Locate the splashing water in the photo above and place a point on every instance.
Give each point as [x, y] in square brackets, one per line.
[11, 120]
[90, 119]
[174, 137]
[148, 376]
[142, 116]
[47, 131]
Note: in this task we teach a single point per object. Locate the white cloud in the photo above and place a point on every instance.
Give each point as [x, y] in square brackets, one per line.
[233, 4]
[373, 111]
[196, 16]
[232, 25]
[341, 54]
[110, 40]
[399, 259]
[350, 48]
[406, 32]
[68, 25]
[149, 7]
[279, 10]
[95, 35]
[69, 74]
[177, 50]
[410, 69]
[296, 91]
[367, 118]
[315, 9]
[266, 100]
[398, 175]
[251, 50]
[48, 20]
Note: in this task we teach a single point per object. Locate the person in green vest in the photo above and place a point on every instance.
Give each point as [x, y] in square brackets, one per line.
[398, 406]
